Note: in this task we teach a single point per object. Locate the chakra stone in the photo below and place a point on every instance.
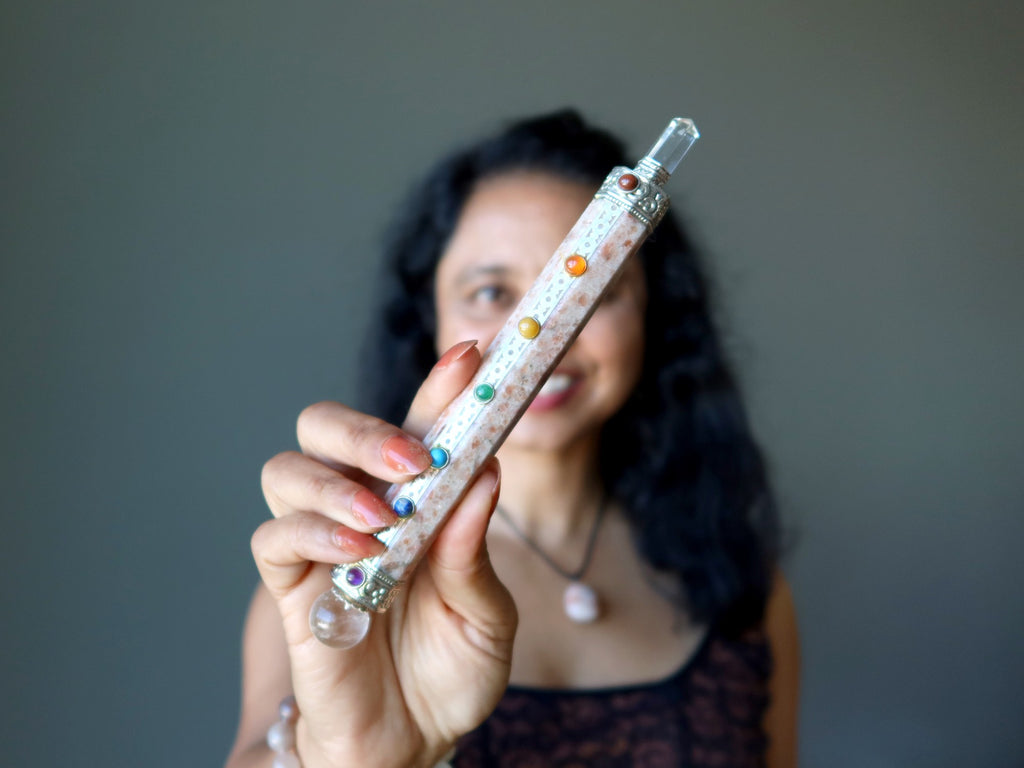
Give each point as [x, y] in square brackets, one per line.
[484, 393]
[438, 458]
[576, 265]
[628, 182]
[403, 507]
[529, 328]
[355, 576]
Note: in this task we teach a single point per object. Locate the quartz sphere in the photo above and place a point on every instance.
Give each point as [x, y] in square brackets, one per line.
[336, 622]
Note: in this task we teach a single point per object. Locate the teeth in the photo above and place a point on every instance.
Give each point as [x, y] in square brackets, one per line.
[558, 382]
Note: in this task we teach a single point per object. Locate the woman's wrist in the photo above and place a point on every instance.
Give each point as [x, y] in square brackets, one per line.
[282, 738]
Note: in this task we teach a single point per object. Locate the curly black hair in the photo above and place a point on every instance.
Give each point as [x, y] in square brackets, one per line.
[679, 456]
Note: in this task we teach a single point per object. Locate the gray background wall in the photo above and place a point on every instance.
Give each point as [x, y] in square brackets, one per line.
[193, 194]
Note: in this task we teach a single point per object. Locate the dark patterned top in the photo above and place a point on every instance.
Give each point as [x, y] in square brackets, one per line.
[707, 714]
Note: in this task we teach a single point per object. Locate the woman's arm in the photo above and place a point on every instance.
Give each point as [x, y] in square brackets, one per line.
[780, 722]
[266, 680]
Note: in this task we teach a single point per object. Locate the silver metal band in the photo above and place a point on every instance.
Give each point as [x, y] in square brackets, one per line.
[364, 586]
[646, 201]
[652, 172]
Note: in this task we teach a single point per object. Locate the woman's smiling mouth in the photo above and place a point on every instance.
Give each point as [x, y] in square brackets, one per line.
[559, 387]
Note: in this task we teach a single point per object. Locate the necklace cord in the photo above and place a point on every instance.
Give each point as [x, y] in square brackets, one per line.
[588, 554]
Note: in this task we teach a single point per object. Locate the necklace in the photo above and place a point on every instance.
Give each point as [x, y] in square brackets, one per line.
[579, 600]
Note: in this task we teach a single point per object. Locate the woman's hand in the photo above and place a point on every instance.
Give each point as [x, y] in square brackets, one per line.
[434, 665]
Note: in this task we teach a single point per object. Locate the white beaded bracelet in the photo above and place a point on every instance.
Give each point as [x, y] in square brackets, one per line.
[281, 737]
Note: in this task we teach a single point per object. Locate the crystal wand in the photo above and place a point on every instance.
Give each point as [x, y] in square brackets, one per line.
[626, 208]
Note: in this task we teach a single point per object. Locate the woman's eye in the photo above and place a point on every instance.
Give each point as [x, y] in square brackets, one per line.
[491, 294]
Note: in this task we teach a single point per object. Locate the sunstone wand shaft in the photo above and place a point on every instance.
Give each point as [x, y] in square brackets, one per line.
[625, 210]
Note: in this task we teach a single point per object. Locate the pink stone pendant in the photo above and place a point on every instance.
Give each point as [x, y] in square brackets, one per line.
[580, 602]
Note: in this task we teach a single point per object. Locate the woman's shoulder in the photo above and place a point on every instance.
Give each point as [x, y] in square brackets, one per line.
[781, 631]
[780, 624]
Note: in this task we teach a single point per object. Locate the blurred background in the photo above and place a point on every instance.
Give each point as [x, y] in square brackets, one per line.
[193, 197]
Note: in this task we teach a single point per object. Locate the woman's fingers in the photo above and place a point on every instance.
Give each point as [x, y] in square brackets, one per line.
[447, 378]
[341, 437]
[293, 482]
[312, 492]
[285, 547]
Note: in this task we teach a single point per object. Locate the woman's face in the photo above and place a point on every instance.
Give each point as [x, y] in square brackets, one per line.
[509, 228]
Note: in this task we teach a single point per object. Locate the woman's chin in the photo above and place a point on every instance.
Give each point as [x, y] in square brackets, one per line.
[548, 430]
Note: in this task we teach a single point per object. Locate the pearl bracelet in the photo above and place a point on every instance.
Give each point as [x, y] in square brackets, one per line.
[281, 737]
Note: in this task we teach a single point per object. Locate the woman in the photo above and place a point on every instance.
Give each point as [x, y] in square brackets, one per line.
[633, 473]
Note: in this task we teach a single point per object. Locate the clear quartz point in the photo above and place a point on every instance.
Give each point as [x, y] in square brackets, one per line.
[674, 143]
[336, 622]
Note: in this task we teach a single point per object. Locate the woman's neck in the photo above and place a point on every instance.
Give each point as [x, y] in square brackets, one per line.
[551, 497]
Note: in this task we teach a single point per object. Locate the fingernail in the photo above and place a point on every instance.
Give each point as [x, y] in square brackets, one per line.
[453, 354]
[353, 543]
[405, 455]
[495, 467]
[372, 510]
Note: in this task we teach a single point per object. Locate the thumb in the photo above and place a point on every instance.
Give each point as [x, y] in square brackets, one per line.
[462, 571]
